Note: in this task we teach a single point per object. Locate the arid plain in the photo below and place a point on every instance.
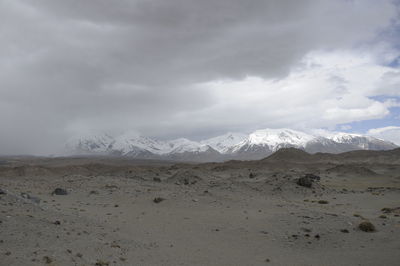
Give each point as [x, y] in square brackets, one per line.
[291, 208]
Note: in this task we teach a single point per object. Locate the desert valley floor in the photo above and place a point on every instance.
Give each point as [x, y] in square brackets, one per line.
[291, 208]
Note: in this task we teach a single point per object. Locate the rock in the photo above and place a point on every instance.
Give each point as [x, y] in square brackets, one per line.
[60, 191]
[323, 202]
[2, 192]
[344, 231]
[252, 175]
[156, 179]
[366, 226]
[31, 198]
[47, 259]
[101, 263]
[305, 182]
[57, 222]
[313, 177]
[187, 181]
[158, 199]
[391, 210]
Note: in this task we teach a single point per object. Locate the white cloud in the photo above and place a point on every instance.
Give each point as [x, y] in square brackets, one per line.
[325, 89]
[391, 133]
[345, 127]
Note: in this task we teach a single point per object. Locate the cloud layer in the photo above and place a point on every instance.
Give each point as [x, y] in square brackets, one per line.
[190, 68]
[391, 133]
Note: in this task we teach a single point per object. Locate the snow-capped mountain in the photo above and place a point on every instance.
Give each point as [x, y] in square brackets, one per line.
[256, 145]
[184, 145]
[129, 142]
[225, 142]
[273, 139]
[90, 143]
[361, 141]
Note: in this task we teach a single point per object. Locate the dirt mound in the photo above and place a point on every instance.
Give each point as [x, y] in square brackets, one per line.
[25, 171]
[185, 177]
[343, 169]
[289, 154]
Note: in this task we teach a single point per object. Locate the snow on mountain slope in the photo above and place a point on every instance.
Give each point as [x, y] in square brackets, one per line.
[361, 141]
[89, 143]
[272, 139]
[224, 142]
[127, 142]
[184, 145]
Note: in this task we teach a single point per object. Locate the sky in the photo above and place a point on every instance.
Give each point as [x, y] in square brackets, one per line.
[195, 69]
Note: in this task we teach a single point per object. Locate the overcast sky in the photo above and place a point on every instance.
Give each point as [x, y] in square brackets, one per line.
[195, 69]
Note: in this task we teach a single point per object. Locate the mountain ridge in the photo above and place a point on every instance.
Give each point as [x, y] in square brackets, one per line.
[256, 145]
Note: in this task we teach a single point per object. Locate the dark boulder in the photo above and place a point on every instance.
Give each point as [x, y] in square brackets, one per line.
[158, 199]
[366, 226]
[305, 182]
[60, 191]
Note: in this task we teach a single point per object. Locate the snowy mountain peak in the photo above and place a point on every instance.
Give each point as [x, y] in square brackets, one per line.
[274, 137]
[127, 142]
[224, 142]
[184, 145]
[96, 143]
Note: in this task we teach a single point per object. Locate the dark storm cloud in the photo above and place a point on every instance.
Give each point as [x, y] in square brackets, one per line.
[120, 65]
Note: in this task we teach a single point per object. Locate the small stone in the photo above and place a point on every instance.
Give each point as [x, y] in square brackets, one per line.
[158, 199]
[57, 222]
[47, 259]
[323, 202]
[305, 182]
[344, 231]
[156, 179]
[102, 263]
[366, 226]
[60, 191]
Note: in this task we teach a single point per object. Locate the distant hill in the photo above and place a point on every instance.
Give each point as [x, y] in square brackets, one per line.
[359, 156]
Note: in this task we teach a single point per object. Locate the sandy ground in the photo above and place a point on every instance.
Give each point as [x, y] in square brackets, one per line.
[234, 213]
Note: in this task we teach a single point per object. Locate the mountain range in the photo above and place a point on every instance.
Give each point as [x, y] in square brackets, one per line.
[256, 145]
